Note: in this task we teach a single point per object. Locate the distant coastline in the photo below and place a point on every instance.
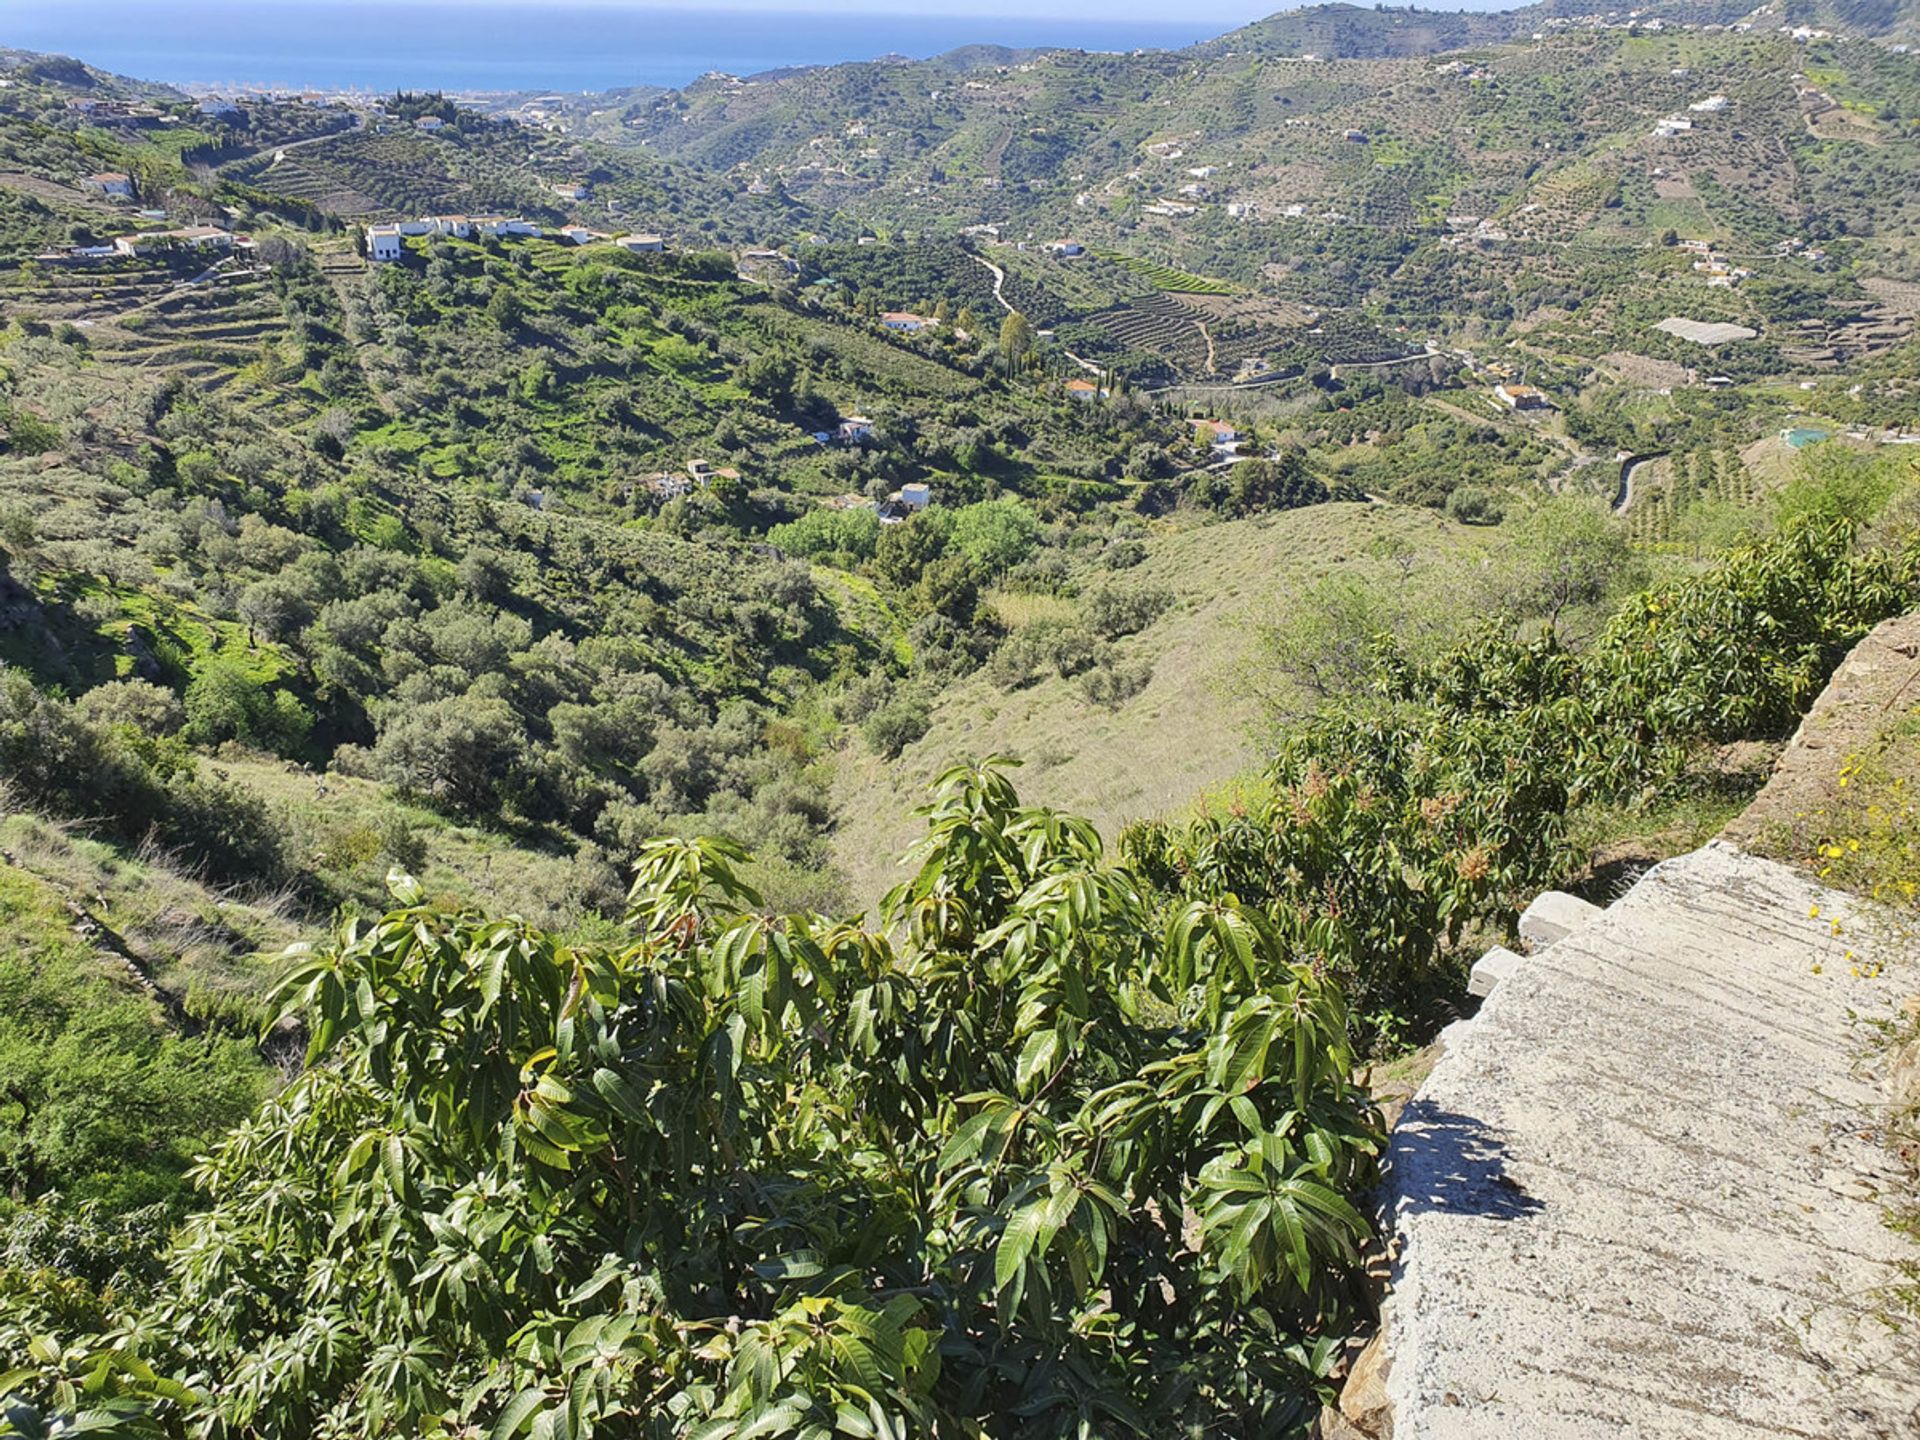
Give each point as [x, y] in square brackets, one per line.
[331, 46]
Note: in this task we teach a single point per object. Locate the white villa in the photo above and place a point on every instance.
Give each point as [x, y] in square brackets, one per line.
[383, 243]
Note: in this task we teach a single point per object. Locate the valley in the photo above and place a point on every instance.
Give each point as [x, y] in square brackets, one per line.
[797, 756]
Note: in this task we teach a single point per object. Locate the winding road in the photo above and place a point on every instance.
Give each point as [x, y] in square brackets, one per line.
[999, 281]
[1623, 499]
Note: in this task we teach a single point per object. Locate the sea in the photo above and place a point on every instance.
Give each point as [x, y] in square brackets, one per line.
[502, 45]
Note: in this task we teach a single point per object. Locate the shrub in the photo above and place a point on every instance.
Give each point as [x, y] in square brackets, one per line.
[897, 724]
[839, 537]
[1389, 826]
[141, 706]
[1110, 683]
[1113, 611]
[1030, 652]
[1475, 505]
[461, 753]
[226, 701]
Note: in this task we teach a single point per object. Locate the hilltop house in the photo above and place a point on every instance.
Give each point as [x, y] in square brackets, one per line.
[905, 320]
[383, 243]
[109, 182]
[430, 123]
[197, 237]
[1521, 397]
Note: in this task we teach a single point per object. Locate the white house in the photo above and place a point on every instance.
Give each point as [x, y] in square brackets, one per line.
[581, 235]
[854, 429]
[1712, 105]
[109, 182]
[641, 244]
[1066, 249]
[383, 243]
[573, 189]
[214, 105]
[197, 237]
[1218, 433]
[916, 496]
[429, 123]
[905, 320]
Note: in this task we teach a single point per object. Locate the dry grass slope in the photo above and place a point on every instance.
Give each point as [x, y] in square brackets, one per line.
[1193, 727]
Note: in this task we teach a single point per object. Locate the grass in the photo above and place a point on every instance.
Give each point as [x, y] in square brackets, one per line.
[1190, 731]
[339, 820]
[209, 950]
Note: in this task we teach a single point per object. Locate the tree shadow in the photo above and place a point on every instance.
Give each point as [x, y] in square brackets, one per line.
[1453, 1164]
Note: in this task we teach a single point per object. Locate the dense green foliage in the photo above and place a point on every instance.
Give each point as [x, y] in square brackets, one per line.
[1051, 1159]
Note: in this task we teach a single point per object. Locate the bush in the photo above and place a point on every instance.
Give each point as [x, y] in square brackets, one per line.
[1110, 683]
[838, 537]
[1392, 824]
[141, 706]
[1475, 505]
[226, 701]
[1255, 487]
[1032, 651]
[1113, 612]
[996, 534]
[132, 786]
[461, 753]
[896, 725]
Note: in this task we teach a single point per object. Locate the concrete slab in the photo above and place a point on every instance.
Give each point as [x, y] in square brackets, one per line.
[1491, 968]
[1635, 1198]
[1552, 917]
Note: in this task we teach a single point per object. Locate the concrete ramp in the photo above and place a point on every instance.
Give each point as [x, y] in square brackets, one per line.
[1636, 1197]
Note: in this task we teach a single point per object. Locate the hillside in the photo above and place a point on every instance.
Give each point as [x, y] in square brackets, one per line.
[493, 595]
[1197, 722]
